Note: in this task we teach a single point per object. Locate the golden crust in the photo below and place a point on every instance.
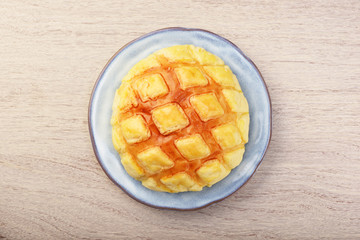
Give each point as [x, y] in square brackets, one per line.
[192, 147]
[180, 120]
[206, 106]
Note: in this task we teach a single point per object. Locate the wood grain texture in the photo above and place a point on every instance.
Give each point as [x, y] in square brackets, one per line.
[51, 185]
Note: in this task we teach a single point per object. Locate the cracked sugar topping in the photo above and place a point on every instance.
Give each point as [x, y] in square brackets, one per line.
[180, 120]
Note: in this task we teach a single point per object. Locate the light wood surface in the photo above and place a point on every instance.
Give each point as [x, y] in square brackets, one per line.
[51, 185]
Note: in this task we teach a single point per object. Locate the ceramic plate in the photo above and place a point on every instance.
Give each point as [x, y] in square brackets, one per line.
[251, 83]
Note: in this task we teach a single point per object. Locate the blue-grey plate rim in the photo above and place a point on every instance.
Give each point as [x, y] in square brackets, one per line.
[97, 155]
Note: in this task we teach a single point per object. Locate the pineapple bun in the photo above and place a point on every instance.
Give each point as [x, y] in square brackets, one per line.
[180, 121]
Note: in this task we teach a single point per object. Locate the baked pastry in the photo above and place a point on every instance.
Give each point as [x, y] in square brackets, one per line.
[180, 120]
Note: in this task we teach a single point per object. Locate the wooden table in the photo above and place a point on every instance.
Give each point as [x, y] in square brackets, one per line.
[51, 185]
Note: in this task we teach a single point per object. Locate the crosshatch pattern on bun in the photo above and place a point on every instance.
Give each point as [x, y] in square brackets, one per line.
[180, 121]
